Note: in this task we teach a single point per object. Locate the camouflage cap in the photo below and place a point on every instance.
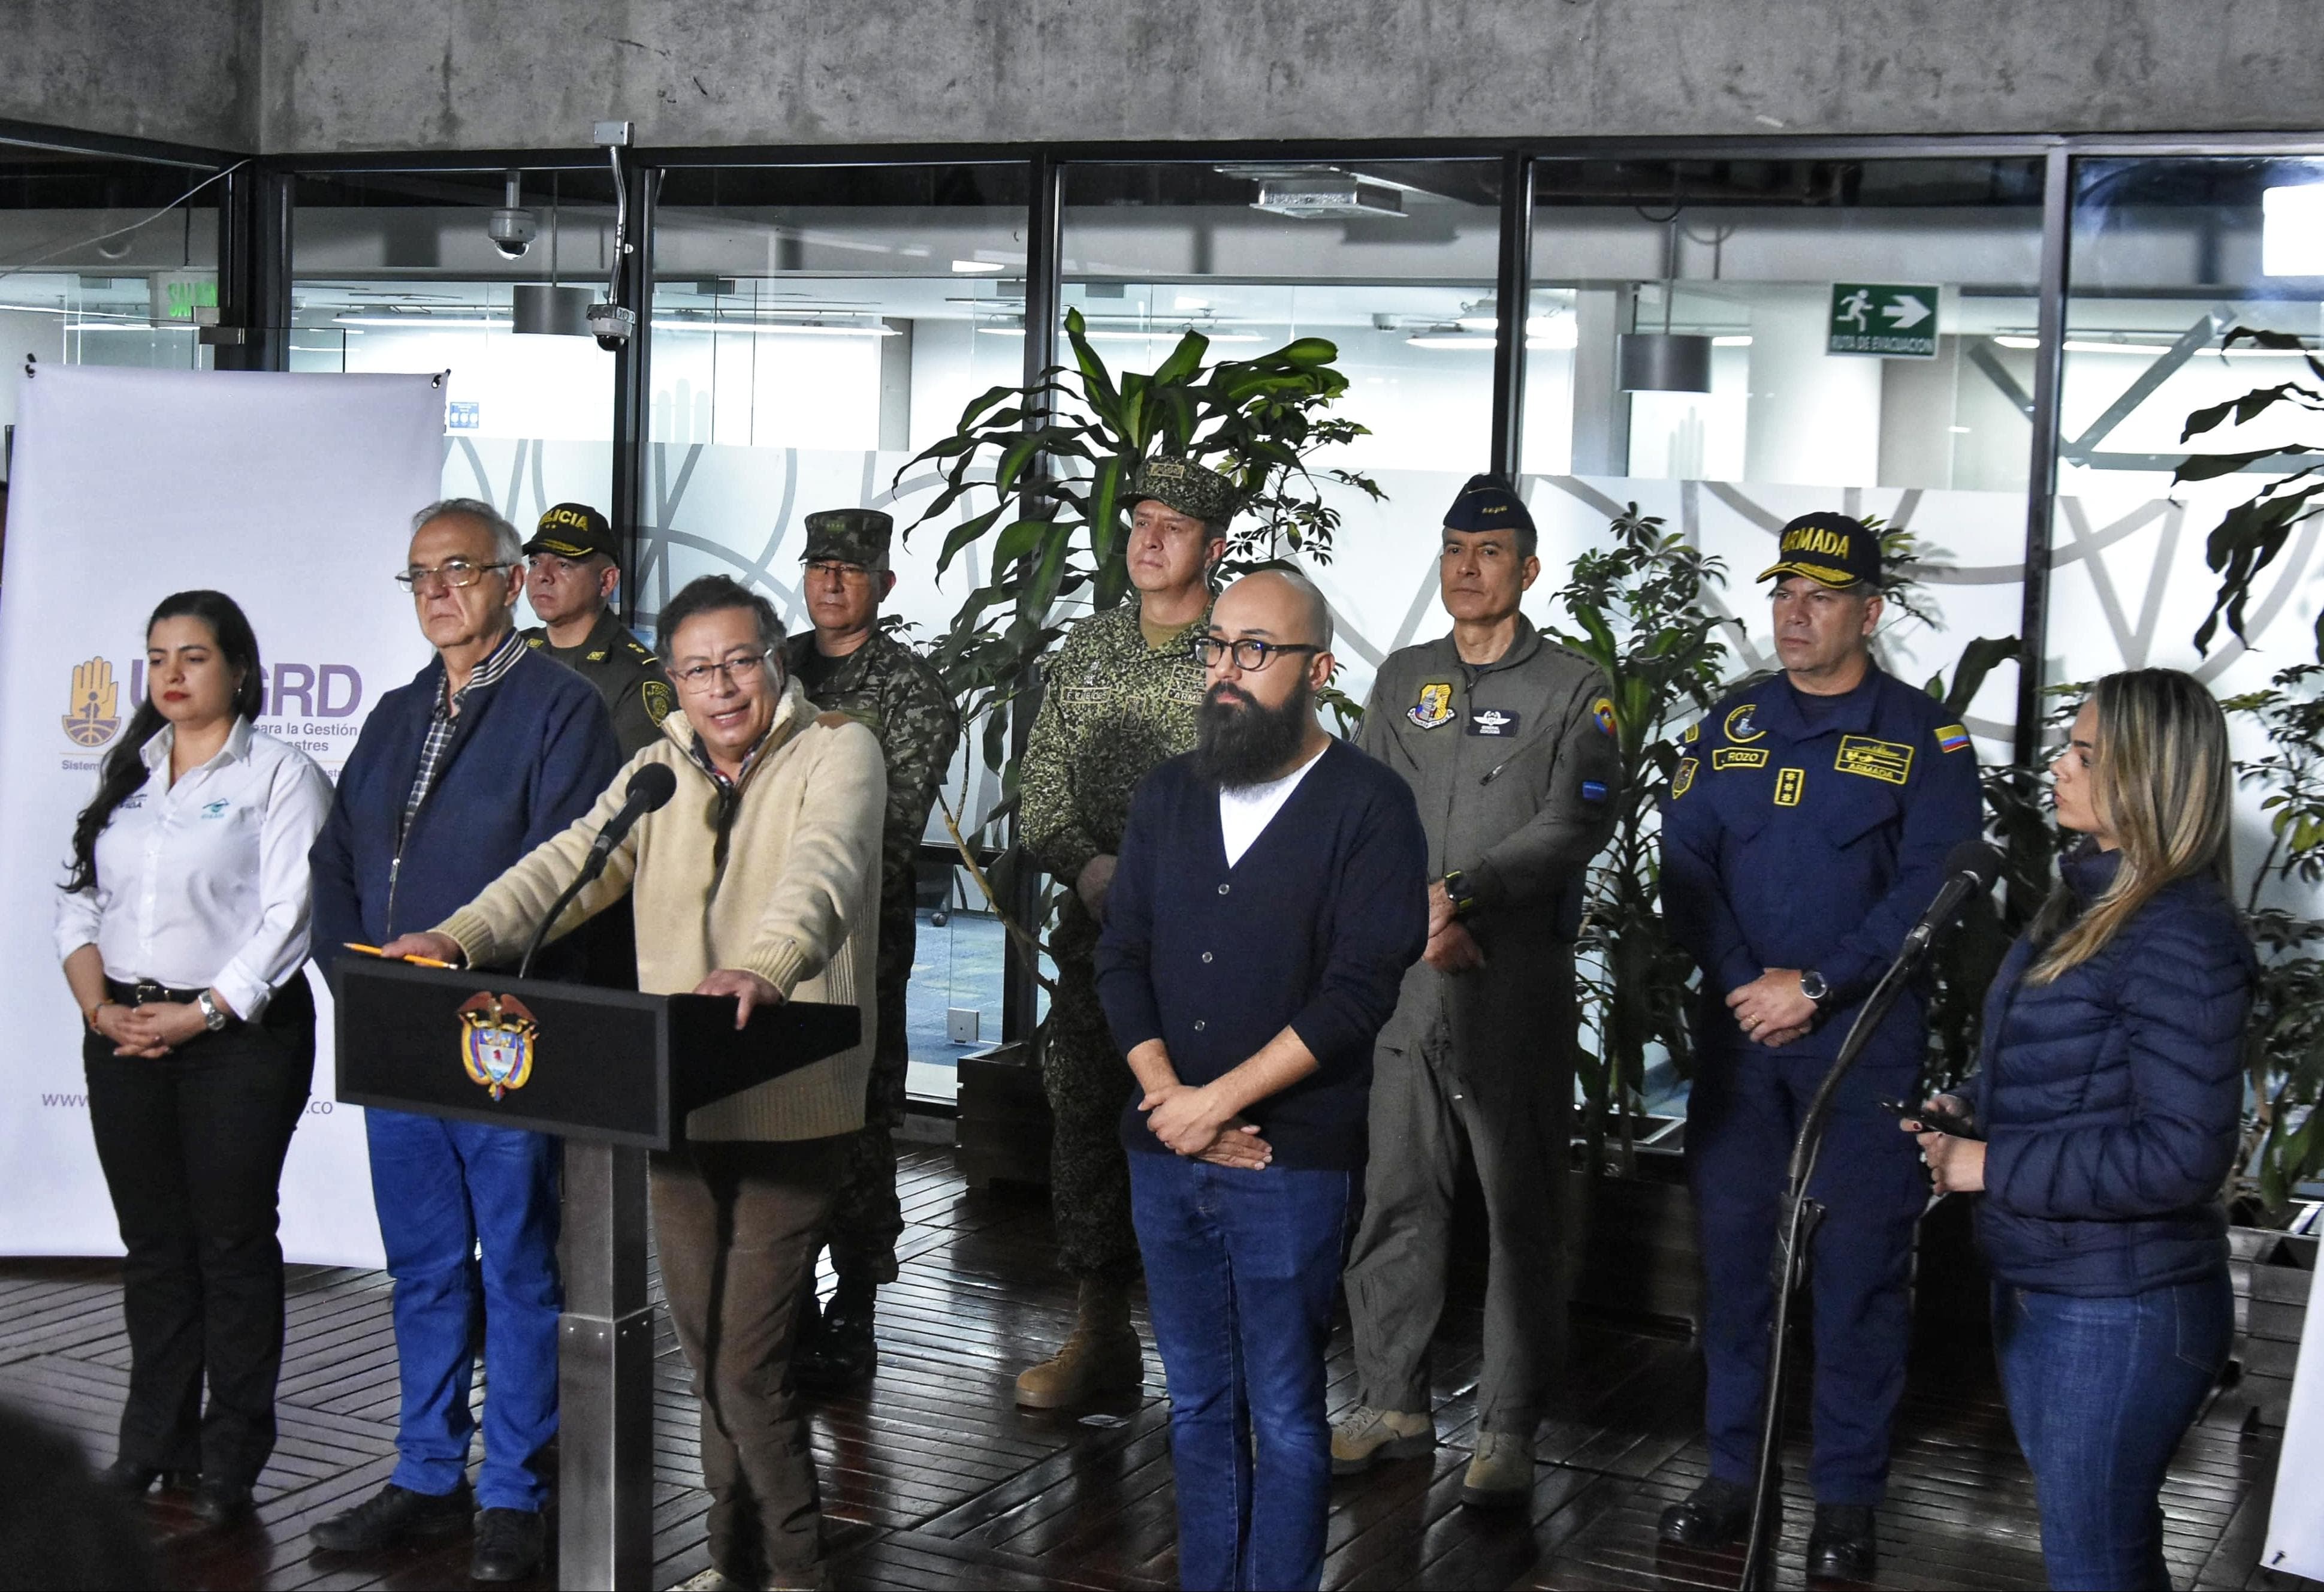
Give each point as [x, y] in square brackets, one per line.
[850, 535]
[1187, 486]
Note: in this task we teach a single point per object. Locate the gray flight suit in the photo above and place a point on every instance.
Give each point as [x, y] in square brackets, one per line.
[1514, 765]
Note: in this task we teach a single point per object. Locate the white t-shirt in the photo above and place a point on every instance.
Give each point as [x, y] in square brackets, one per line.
[1245, 811]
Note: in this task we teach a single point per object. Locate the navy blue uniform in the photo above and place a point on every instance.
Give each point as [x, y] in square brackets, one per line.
[1809, 832]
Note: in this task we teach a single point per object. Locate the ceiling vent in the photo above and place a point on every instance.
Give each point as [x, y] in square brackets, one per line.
[1327, 195]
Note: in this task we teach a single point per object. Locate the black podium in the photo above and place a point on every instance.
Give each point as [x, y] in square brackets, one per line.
[614, 1073]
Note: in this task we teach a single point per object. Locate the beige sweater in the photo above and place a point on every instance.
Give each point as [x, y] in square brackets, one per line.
[796, 901]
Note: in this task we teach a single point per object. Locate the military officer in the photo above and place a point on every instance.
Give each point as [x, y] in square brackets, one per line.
[847, 663]
[572, 568]
[1806, 830]
[1122, 694]
[1507, 740]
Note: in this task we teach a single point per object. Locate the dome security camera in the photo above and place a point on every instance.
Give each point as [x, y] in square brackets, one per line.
[512, 227]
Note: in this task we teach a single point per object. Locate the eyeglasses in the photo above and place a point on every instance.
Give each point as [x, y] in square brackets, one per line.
[1250, 656]
[452, 572]
[738, 670]
[838, 570]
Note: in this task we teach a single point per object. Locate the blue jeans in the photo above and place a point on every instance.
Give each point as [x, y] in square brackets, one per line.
[443, 1187]
[2101, 1390]
[1241, 1267]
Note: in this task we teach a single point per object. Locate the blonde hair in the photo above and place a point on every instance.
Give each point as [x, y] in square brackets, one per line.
[2164, 782]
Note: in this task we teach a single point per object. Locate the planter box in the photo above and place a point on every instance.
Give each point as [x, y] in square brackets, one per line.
[1003, 1125]
[2273, 1272]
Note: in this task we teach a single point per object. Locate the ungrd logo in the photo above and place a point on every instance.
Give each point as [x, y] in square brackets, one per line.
[93, 716]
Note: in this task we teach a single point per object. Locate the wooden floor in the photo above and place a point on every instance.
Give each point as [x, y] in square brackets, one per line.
[934, 1479]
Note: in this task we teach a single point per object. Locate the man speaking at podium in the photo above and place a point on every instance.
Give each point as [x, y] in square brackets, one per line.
[1806, 830]
[760, 879]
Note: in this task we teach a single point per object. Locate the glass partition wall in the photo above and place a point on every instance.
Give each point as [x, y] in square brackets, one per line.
[1726, 336]
[813, 328]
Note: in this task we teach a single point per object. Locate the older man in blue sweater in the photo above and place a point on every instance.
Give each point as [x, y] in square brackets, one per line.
[1271, 891]
[490, 751]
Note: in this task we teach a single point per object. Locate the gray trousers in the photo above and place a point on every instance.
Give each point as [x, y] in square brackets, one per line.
[1513, 1118]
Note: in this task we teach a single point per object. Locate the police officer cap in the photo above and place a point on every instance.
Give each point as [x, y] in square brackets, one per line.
[1488, 503]
[1829, 548]
[850, 536]
[574, 531]
[1181, 484]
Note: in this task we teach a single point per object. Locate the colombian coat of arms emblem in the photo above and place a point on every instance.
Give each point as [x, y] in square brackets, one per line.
[496, 1041]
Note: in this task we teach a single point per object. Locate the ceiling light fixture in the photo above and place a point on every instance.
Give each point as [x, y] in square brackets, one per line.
[424, 322]
[977, 267]
[777, 328]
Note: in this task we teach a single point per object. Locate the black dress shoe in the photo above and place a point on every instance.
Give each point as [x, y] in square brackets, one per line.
[1844, 1546]
[1713, 1515]
[844, 1351]
[509, 1545]
[126, 1476]
[391, 1514]
[221, 1502]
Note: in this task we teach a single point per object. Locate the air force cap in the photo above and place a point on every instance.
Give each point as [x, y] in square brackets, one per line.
[1829, 548]
[1487, 503]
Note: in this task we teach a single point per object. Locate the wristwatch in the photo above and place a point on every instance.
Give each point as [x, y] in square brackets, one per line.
[1811, 985]
[1457, 890]
[212, 1015]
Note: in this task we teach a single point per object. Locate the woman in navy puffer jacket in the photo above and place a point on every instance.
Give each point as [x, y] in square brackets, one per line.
[2108, 1099]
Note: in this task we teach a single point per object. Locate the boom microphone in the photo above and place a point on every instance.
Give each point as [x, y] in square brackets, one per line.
[1970, 869]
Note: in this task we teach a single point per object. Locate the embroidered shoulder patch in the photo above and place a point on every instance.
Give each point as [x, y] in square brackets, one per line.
[1603, 711]
[1684, 781]
[1693, 733]
[1740, 726]
[1875, 760]
[1728, 757]
[1435, 707]
[1789, 783]
[657, 699]
[1952, 737]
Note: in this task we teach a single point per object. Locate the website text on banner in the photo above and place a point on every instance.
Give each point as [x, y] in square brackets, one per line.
[293, 493]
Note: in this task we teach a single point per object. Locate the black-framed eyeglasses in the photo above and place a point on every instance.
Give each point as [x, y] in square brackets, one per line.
[838, 570]
[451, 572]
[1250, 656]
[743, 666]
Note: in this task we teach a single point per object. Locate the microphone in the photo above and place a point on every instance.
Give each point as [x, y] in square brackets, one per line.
[649, 790]
[1970, 869]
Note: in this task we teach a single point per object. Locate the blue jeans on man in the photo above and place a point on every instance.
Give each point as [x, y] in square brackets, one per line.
[445, 1190]
[2101, 1390]
[1240, 1268]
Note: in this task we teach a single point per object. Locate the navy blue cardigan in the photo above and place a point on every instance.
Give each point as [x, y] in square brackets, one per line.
[1312, 929]
[529, 756]
[2111, 1097]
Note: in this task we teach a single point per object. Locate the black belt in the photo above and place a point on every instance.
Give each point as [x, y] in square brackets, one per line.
[146, 993]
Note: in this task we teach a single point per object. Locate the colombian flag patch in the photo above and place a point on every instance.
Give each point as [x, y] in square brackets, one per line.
[1952, 737]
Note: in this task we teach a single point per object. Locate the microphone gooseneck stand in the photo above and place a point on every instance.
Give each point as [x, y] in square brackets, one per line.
[589, 870]
[1801, 1215]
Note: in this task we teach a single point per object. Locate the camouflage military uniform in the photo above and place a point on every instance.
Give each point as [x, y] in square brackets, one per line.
[1113, 708]
[625, 673]
[885, 684]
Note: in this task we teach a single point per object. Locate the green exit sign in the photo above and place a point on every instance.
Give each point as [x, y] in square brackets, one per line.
[1884, 319]
[184, 298]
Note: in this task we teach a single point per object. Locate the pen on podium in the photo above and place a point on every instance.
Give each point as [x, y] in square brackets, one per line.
[373, 951]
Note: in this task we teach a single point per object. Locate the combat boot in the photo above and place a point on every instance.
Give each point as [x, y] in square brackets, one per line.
[1101, 1356]
[843, 1352]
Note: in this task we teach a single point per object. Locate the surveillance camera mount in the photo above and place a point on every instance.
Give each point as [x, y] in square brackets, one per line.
[610, 323]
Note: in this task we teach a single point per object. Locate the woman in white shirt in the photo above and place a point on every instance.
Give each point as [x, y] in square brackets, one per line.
[183, 924]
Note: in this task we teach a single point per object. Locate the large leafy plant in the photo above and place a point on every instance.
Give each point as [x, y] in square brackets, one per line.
[2283, 1140]
[1058, 459]
[1639, 613]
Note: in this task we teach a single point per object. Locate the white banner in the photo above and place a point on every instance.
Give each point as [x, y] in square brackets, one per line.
[2295, 1527]
[291, 494]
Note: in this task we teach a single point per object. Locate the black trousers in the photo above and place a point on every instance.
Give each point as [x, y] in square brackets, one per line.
[192, 1145]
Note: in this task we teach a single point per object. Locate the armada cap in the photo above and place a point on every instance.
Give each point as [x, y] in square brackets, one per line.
[1831, 550]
